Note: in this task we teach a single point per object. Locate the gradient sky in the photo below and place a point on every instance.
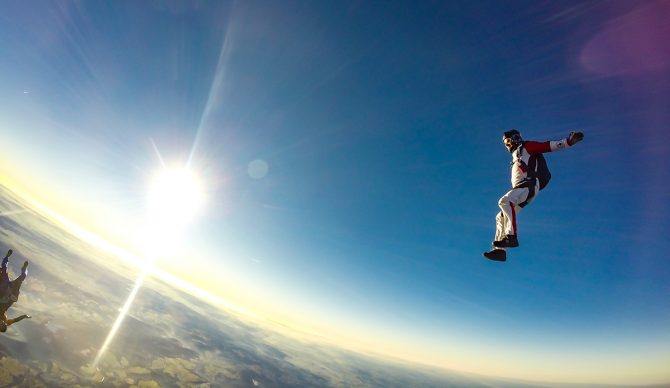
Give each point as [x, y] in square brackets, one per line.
[380, 125]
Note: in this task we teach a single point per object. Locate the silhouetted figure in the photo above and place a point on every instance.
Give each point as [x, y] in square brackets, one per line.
[9, 292]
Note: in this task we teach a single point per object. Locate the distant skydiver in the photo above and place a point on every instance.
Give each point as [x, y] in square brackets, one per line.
[9, 292]
[529, 175]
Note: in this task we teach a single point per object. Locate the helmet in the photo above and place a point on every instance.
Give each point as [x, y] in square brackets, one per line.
[512, 139]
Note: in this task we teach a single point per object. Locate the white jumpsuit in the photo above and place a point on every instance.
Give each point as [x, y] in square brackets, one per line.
[524, 189]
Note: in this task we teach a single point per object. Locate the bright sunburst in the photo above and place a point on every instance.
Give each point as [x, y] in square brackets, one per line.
[175, 195]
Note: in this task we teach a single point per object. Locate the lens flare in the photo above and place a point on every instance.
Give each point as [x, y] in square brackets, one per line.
[175, 196]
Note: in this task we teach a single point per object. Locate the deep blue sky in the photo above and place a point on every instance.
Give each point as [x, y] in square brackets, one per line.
[381, 128]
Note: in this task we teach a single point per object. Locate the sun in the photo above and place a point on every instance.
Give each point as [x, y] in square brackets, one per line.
[175, 197]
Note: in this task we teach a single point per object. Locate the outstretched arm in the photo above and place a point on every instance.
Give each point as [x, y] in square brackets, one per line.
[17, 319]
[535, 147]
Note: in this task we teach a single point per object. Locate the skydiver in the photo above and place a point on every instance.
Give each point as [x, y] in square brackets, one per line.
[529, 175]
[9, 292]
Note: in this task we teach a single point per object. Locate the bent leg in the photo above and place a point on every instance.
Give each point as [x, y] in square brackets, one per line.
[4, 277]
[500, 226]
[509, 209]
[15, 285]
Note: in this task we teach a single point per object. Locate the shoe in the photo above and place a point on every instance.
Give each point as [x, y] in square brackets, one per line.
[25, 265]
[510, 241]
[496, 255]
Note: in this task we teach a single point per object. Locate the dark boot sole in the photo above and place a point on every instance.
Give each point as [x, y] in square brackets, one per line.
[500, 255]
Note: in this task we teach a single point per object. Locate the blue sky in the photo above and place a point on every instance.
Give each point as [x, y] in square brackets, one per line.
[380, 125]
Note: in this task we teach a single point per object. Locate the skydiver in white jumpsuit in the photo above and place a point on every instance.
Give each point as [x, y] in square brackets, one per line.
[529, 175]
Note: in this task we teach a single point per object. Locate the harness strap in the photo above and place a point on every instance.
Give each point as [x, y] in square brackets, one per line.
[530, 185]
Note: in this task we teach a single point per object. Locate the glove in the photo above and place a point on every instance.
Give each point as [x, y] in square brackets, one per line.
[575, 137]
